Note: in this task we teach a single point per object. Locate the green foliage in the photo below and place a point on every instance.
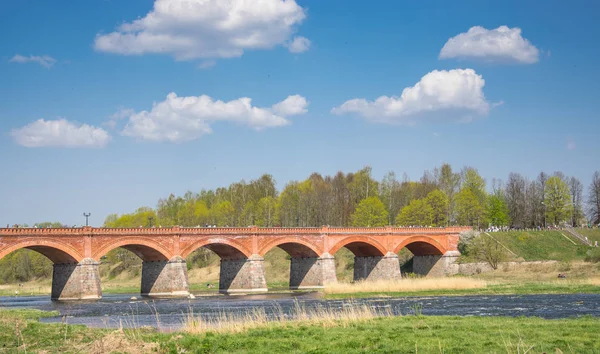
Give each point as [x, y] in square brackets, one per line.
[265, 212]
[417, 213]
[471, 180]
[557, 201]
[222, 214]
[141, 217]
[24, 265]
[469, 210]
[439, 203]
[496, 211]
[370, 212]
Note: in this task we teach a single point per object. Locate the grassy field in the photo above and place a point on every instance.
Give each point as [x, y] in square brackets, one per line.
[540, 245]
[20, 332]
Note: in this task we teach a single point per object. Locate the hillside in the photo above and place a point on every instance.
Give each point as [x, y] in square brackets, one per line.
[543, 245]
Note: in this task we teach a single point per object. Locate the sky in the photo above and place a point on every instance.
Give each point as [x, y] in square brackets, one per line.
[107, 105]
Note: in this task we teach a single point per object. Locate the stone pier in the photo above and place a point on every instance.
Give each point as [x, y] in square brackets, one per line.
[79, 281]
[243, 275]
[376, 268]
[315, 272]
[435, 265]
[165, 278]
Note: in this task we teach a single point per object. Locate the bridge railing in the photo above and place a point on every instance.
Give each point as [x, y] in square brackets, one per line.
[252, 230]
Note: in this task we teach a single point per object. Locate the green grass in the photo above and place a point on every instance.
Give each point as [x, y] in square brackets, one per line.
[541, 245]
[407, 334]
[592, 234]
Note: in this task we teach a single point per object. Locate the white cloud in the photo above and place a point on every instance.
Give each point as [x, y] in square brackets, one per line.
[502, 44]
[178, 119]
[122, 113]
[298, 45]
[60, 133]
[293, 105]
[44, 60]
[191, 29]
[445, 94]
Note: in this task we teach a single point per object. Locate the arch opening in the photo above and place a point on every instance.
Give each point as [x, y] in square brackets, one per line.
[421, 248]
[206, 261]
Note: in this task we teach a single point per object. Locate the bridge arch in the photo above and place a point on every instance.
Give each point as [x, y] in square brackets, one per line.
[224, 248]
[146, 249]
[421, 246]
[361, 246]
[295, 247]
[57, 252]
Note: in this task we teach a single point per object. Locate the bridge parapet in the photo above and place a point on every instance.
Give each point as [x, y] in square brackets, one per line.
[176, 230]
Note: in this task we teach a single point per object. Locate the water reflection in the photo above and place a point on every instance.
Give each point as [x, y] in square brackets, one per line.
[114, 311]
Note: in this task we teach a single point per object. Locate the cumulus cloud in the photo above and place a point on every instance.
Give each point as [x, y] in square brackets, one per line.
[502, 44]
[120, 114]
[60, 133]
[44, 60]
[298, 45]
[440, 92]
[205, 29]
[179, 119]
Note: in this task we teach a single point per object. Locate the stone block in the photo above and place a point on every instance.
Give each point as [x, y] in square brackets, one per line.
[165, 278]
[79, 281]
[377, 268]
[243, 275]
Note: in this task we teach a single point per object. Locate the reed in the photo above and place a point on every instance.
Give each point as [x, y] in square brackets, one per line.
[300, 315]
[406, 285]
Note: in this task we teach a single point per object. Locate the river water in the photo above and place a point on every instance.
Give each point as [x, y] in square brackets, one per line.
[114, 311]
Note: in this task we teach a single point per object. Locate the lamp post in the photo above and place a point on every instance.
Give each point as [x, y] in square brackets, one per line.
[87, 215]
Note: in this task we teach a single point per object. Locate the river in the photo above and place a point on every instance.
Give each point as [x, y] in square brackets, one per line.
[114, 311]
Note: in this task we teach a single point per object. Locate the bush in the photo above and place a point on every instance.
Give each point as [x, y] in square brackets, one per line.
[465, 241]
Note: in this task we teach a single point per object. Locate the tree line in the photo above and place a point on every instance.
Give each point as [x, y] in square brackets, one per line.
[441, 197]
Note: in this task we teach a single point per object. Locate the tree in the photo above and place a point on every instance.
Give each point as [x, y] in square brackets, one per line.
[370, 212]
[388, 187]
[557, 200]
[496, 210]
[469, 210]
[593, 201]
[417, 213]
[488, 250]
[472, 181]
[438, 201]
[265, 212]
[448, 182]
[576, 189]
[515, 196]
[222, 214]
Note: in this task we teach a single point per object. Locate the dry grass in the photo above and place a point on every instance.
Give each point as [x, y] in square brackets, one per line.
[260, 318]
[406, 285]
[118, 341]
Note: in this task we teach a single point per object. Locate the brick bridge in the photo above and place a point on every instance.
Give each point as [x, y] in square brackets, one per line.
[76, 253]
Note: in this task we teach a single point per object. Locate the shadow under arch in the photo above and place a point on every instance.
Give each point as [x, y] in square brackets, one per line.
[421, 246]
[225, 249]
[361, 246]
[296, 248]
[57, 252]
[147, 250]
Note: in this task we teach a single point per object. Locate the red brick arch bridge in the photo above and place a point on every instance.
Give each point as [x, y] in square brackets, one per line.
[76, 253]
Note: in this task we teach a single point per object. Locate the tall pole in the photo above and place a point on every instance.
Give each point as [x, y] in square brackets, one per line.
[87, 215]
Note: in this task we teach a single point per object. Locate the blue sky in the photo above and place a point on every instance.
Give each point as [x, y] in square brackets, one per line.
[494, 98]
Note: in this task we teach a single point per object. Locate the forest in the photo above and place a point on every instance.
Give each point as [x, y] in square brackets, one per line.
[441, 197]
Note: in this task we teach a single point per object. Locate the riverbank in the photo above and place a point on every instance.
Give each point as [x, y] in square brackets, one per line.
[20, 331]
